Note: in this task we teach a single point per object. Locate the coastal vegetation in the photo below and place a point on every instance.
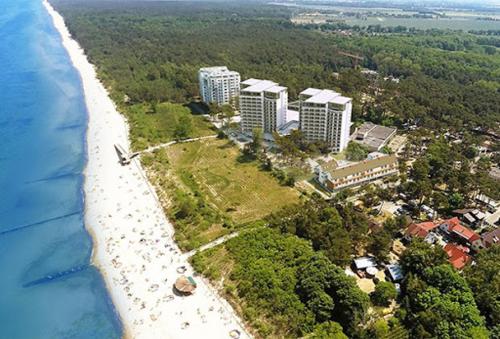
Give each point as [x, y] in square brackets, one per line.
[282, 286]
[484, 280]
[438, 301]
[208, 191]
[149, 54]
[335, 228]
[283, 272]
[152, 53]
[158, 123]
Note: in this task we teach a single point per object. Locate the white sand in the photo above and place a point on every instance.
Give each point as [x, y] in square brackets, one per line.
[133, 244]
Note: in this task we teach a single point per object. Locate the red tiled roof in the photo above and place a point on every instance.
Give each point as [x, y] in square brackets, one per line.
[456, 227]
[420, 230]
[456, 256]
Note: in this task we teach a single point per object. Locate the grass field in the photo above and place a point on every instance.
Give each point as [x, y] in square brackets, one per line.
[151, 128]
[208, 193]
[420, 23]
[241, 190]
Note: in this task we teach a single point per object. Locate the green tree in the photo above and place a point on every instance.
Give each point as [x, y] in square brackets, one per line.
[456, 200]
[257, 138]
[183, 127]
[356, 151]
[420, 255]
[484, 280]
[227, 113]
[443, 305]
[379, 329]
[213, 110]
[380, 244]
[384, 293]
[327, 330]
[387, 150]
[319, 280]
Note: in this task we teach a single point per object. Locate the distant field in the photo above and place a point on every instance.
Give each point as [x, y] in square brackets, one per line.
[241, 190]
[457, 20]
[152, 128]
[455, 24]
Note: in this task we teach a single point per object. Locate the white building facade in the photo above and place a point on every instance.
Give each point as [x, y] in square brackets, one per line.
[325, 116]
[263, 104]
[357, 174]
[218, 84]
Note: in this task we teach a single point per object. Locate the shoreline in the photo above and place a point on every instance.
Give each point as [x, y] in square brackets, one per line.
[133, 245]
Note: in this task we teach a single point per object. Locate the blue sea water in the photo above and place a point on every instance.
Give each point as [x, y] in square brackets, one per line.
[48, 289]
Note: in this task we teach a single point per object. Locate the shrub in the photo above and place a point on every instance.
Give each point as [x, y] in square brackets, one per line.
[384, 293]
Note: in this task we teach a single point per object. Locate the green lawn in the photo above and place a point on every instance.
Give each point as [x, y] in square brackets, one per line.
[151, 128]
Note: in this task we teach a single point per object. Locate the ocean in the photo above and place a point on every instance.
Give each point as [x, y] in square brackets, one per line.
[48, 289]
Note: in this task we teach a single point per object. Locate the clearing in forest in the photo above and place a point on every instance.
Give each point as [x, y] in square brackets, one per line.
[239, 189]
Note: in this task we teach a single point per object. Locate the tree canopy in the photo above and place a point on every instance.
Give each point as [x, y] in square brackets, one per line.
[484, 280]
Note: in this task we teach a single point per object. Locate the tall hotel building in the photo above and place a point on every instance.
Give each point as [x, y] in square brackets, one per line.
[218, 84]
[263, 104]
[325, 115]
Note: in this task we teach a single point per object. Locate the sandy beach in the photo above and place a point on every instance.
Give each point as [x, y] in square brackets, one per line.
[133, 240]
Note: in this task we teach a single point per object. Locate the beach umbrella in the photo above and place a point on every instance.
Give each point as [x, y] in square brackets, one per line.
[185, 284]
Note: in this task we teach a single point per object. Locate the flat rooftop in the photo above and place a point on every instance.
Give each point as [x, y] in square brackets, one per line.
[250, 81]
[310, 91]
[260, 86]
[217, 70]
[374, 136]
[276, 89]
[340, 100]
[323, 96]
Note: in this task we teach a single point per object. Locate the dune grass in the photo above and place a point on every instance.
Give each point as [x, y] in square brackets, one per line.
[240, 190]
[151, 126]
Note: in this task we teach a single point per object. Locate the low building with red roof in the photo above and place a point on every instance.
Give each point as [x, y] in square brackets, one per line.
[457, 255]
[455, 229]
[420, 230]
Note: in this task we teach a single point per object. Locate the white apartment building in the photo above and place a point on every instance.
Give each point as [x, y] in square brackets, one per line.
[263, 104]
[218, 84]
[325, 115]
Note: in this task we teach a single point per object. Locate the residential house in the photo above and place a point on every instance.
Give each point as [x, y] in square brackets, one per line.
[455, 230]
[488, 202]
[457, 255]
[363, 263]
[471, 217]
[491, 238]
[421, 230]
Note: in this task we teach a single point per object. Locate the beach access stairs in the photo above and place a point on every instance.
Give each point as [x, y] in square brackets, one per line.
[124, 157]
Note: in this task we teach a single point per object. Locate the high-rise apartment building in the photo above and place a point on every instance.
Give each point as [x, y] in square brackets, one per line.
[218, 84]
[325, 115]
[263, 104]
